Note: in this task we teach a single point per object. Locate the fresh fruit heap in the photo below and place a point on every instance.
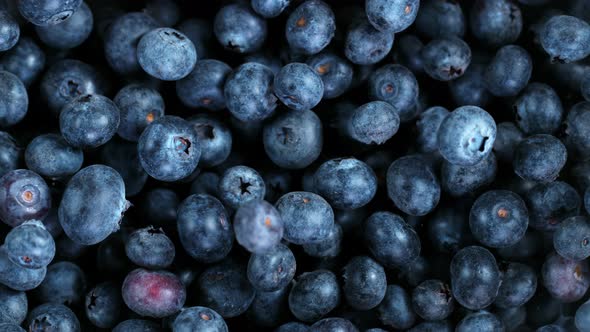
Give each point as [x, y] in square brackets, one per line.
[294, 165]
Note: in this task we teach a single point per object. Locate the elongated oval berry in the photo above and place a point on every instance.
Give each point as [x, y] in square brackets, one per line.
[92, 205]
[153, 293]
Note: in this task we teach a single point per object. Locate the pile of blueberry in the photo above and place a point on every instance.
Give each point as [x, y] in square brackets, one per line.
[294, 165]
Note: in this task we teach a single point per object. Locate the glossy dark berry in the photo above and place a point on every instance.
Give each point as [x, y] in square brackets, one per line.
[571, 239]
[150, 248]
[565, 38]
[509, 71]
[364, 284]
[30, 245]
[310, 27]
[475, 277]
[539, 158]
[239, 29]
[391, 240]
[203, 87]
[166, 54]
[391, 16]
[204, 228]
[446, 58]
[565, 279]
[304, 302]
[433, 300]
[412, 185]
[48, 12]
[139, 106]
[15, 100]
[199, 319]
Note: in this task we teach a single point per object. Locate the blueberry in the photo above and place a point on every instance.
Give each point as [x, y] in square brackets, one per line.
[470, 89]
[30, 245]
[310, 27]
[9, 31]
[215, 139]
[519, 283]
[13, 306]
[139, 106]
[89, 121]
[498, 218]
[551, 203]
[204, 228]
[272, 270]
[480, 321]
[396, 308]
[373, 123]
[68, 79]
[248, 92]
[166, 12]
[304, 302]
[239, 29]
[539, 158]
[460, 180]
[240, 184]
[391, 240]
[169, 149]
[166, 54]
[475, 277]
[103, 305]
[137, 325]
[14, 102]
[565, 279]
[331, 246]
[51, 156]
[333, 324]
[293, 139]
[225, 289]
[565, 38]
[121, 40]
[307, 217]
[203, 87]
[298, 86]
[269, 308]
[433, 300]
[365, 283]
[150, 248]
[571, 239]
[47, 12]
[427, 127]
[466, 136]
[68, 33]
[17, 277]
[123, 157]
[439, 18]
[200, 32]
[538, 110]
[509, 71]
[269, 8]
[25, 60]
[93, 204]
[582, 317]
[24, 195]
[576, 125]
[396, 85]
[392, 16]
[495, 22]
[412, 185]
[346, 183]
[10, 153]
[507, 138]
[336, 73]
[198, 319]
[64, 283]
[446, 58]
[153, 293]
[53, 316]
[258, 226]
[365, 45]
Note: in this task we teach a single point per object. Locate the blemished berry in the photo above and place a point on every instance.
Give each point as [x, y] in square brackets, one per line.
[153, 293]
